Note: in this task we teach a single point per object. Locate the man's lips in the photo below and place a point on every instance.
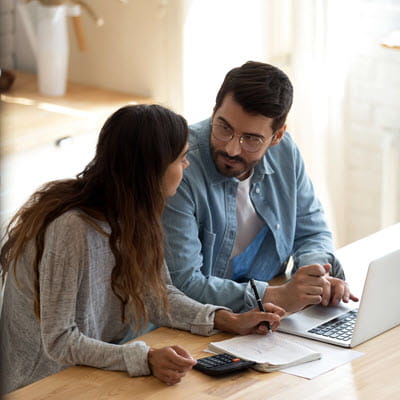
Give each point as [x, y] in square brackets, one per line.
[231, 160]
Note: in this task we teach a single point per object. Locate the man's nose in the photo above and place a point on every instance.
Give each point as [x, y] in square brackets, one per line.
[233, 147]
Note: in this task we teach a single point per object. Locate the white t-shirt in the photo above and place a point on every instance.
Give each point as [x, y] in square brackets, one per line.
[249, 223]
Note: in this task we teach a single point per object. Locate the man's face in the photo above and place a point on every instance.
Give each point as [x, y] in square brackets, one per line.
[230, 158]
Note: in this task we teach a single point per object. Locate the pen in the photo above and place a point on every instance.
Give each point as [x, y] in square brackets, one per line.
[260, 305]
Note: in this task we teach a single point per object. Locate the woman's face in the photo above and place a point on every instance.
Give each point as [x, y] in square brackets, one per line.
[174, 173]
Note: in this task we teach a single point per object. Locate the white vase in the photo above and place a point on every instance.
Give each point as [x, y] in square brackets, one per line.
[52, 49]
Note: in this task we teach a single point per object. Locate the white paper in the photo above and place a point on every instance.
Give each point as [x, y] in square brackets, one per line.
[332, 357]
[274, 349]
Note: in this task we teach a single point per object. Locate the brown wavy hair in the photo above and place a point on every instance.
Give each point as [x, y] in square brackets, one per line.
[122, 185]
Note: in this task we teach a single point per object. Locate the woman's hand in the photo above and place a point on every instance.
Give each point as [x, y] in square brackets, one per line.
[249, 322]
[170, 364]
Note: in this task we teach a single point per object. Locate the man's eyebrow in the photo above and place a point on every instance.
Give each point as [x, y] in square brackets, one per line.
[222, 119]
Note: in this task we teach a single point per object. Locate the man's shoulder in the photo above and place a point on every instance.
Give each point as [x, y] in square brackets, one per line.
[200, 125]
[287, 141]
[199, 148]
[286, 148]
[199, 132]
[201, 172]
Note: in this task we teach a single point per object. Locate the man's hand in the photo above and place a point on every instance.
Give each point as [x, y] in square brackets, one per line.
[310, 284]
[170, 364]
[249, 322]
[338, 290]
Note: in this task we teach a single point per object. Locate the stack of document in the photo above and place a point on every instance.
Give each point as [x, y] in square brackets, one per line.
[271, 352]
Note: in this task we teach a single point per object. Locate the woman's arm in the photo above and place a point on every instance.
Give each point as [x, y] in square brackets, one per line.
[66, 286]
[203, 319]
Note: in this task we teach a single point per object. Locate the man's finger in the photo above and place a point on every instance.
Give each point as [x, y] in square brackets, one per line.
[353, 297]
[313, 270]
[346, 293]
[313, 300]
[327, 291]
[338, 292]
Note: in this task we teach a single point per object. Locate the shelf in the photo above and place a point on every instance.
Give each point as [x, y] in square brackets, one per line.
[29, 119]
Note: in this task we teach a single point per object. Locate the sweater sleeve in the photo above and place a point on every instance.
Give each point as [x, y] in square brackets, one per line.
[185, 313]
[64, 258]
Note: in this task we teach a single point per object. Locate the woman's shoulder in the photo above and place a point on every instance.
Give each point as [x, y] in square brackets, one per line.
[70, 218]
[76, 222]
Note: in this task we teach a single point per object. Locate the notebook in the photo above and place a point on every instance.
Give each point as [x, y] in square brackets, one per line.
[350, 324]
[270, 352]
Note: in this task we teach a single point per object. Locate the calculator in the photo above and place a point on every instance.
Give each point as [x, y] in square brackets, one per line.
[221, 364]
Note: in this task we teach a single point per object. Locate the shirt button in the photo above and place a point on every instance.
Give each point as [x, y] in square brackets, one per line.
[277, 226]
[257, 190]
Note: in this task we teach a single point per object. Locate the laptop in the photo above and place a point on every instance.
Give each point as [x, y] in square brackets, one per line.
[350, 324]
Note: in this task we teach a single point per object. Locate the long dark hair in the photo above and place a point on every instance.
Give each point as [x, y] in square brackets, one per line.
[122, 185]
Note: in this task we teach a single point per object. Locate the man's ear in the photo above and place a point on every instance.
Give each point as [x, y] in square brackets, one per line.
[278, 135]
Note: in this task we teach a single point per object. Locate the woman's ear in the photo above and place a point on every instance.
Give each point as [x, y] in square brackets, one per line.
[278, 135]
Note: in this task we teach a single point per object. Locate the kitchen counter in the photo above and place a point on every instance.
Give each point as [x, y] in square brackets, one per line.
[29, 119]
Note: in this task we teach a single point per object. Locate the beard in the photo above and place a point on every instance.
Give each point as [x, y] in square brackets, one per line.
[232, 167]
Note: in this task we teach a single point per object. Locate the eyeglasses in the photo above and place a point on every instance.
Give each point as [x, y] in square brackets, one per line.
[248, 142]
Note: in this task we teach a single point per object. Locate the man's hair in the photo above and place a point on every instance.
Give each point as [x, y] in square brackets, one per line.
[122, 185]
[260, 89]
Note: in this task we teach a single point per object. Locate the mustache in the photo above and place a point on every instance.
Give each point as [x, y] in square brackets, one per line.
[225, 155]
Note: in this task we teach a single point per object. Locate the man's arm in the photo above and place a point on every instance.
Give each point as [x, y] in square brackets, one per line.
[317, 275]
[185, 256]
[313, 243]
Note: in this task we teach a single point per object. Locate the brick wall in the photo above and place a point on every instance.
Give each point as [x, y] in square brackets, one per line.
[373, 123]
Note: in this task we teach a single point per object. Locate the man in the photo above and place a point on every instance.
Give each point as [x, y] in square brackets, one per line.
[246, 205]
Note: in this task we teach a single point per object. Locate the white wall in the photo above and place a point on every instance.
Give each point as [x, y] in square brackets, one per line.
[373, 124]
[137, 50]
[140, 50]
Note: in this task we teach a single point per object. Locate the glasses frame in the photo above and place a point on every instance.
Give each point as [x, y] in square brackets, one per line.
[241, 140]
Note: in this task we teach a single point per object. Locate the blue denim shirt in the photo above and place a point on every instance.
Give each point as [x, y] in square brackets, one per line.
[200, 225]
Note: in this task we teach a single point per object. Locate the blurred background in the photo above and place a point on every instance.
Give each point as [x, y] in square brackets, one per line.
[346, 76]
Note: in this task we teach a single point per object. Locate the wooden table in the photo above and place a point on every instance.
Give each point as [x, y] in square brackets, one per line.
[373, 376]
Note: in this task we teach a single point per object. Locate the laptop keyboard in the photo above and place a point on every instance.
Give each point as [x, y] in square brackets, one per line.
[341, 327]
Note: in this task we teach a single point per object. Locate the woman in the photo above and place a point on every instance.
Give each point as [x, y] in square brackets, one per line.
[86, 264]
